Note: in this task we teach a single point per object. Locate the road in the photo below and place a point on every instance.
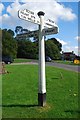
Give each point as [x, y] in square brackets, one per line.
[75, 68]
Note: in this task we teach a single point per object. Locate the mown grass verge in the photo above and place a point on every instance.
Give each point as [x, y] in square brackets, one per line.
[20, 90]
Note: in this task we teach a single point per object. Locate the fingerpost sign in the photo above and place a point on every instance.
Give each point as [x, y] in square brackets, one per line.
[45, 28]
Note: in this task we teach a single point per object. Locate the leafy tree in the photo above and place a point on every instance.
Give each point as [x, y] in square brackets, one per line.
[25, 30]
[5, 29]
[26, 49]
[0, 44]
[18, 29]
[9, 45]
[11, 32]
[59, 45]
[52, 50]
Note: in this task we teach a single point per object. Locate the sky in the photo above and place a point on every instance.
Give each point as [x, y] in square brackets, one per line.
[64, 14]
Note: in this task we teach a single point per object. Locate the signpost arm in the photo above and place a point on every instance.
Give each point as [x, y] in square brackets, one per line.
[42, 81]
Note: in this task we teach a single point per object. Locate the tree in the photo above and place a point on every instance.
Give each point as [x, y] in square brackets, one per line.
[18, 29]
[52, 50]
[26, 49]
[59, 45]
[9, 45]
[25, 30]
[0, 44]
[11, 32]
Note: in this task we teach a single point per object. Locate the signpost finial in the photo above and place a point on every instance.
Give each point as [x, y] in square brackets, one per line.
[40, 13]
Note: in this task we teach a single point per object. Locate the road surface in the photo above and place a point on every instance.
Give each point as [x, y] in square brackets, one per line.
[75, 68]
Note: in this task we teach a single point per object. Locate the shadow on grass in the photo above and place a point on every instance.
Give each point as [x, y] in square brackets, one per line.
[19, 105]
[72, 111]
[77, 112]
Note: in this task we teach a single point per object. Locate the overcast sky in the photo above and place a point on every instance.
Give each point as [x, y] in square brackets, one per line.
[65, 14]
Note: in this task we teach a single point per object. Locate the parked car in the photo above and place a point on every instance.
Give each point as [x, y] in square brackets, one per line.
[7, 59]
[48, 59]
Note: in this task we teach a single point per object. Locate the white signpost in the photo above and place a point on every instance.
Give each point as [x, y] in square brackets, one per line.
[45, 28]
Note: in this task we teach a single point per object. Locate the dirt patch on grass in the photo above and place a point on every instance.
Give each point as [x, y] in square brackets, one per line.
[46, 108]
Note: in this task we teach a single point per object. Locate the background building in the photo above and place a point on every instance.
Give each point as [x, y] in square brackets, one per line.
[68, 56]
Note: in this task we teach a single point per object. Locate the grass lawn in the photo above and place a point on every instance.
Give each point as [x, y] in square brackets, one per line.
[20, 89]
[0, 96]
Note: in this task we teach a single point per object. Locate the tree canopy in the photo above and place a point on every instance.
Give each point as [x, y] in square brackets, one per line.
[9, 45]
[52, 50]
[26, 49]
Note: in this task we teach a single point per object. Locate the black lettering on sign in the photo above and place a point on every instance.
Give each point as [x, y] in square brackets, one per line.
[23, 16]
[29, 18]
[30, 12]
[48, 31]
[22, 12]
[38, 22]
[50, 21]
[27, 10]
[33, 17]
[26, 14]
[33, 20]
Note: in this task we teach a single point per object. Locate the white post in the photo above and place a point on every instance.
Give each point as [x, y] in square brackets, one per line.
[42, 81]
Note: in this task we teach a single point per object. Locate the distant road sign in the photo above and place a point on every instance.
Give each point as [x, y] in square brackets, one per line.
[28, 15]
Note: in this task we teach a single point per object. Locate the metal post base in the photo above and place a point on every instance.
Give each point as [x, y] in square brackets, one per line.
[41, 99]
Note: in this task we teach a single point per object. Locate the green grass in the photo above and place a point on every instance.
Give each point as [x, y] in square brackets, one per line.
[0, 96]
[20, 89]
[20, 60]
